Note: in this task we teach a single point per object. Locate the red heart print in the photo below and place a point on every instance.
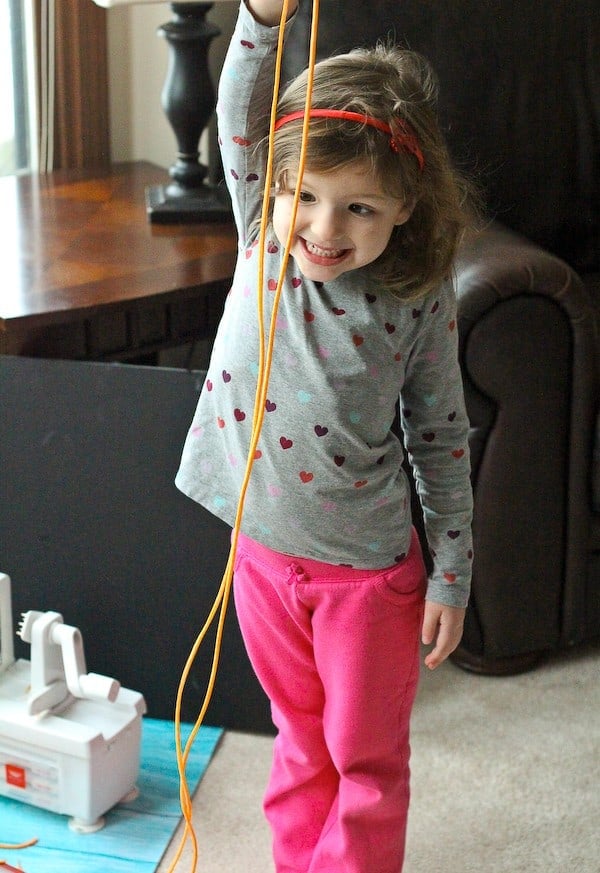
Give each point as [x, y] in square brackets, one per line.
[241, 141]
[272, 248]
[416, 313]
[272, 284]
[453, 534]
[296, 282]
[285, 443]
[209, 385]
[252, 177]
[458, 453]
[451, 325]
[339, 460]
[358, 340]
[450, 577]
[435, 307]
[257, 455]
[270, 406]
[239, 415]
[390, 327]
[247, 44]
[309, 316]
[320, 430]
[371, 298]
[220, 422]
[452, 416]
[226, 376]
[361, 483]
[306, 476]
[234, 174]
[428, 437]
[337, 311]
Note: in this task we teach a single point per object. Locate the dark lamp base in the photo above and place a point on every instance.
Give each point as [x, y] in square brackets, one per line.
[205, 203]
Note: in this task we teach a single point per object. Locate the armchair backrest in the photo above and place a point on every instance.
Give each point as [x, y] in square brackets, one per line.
[519, 100]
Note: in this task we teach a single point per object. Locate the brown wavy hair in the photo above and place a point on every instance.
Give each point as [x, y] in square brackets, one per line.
[390, 84]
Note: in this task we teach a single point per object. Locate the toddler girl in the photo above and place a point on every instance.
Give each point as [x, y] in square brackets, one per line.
[330, 586]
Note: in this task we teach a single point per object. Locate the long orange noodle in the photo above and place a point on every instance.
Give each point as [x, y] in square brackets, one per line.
[264, 370]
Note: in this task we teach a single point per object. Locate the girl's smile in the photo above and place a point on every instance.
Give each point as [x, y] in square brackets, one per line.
[321, 256]
[344, 220]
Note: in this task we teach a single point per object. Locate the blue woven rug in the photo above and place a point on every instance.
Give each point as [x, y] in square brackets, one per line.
[135, 835]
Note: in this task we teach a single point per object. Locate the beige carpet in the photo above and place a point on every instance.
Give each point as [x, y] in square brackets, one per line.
[506, 778]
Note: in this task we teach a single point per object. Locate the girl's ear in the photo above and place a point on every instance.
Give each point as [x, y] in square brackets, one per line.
[404, 212]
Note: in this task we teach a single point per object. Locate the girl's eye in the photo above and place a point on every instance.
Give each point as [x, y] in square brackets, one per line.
[359, 209]
[305, 197]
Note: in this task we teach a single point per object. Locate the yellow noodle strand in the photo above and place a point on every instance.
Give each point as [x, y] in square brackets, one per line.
[264, 369]
[24, 845]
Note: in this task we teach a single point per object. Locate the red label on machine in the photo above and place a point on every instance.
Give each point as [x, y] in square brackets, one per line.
[15, 775]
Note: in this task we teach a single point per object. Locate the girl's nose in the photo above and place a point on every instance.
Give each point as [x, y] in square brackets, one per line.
[327, 224]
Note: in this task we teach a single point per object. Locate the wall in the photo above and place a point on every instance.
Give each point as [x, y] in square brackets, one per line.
[138, 59]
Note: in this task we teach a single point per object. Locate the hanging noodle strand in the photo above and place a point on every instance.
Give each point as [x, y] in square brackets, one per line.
[265, 360]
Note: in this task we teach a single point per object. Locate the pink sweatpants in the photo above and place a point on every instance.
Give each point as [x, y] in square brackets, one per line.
[337, 652]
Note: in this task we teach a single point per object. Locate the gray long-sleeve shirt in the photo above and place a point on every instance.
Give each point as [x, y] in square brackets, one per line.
[327, 481]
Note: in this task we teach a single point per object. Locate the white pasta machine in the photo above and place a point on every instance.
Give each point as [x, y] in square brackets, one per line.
[69, 740]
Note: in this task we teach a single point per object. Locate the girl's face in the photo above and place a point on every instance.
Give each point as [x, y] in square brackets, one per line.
[344, 220]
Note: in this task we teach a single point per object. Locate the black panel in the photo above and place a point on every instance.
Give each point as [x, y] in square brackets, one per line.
[92, 526]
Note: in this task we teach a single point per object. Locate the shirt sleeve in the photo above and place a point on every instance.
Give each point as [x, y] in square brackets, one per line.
[436, 428]
[243, 110]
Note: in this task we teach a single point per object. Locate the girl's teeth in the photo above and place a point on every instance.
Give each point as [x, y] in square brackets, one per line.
[323, 253]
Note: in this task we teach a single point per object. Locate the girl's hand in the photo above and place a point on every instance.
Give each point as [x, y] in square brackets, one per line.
[268, 12]
[444, 626]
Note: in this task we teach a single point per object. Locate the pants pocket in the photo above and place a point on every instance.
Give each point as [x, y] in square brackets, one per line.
[404, 579]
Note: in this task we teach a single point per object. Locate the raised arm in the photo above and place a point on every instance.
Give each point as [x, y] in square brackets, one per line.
[269, 11]
[243, 108]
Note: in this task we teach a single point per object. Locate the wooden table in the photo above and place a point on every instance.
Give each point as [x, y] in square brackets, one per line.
[85, 275]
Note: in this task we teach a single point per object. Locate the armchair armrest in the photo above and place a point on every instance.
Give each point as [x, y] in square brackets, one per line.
[529, 362]
[498, 263]
[500, 266]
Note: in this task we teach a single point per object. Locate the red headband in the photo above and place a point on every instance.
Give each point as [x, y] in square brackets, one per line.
[405, 139]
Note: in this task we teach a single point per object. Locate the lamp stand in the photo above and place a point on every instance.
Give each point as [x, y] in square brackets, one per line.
[188, 99]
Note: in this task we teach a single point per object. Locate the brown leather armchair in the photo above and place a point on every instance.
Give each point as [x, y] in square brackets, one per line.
[520, 105]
